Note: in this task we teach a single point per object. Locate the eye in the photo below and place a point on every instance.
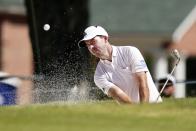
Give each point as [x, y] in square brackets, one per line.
[93, 41]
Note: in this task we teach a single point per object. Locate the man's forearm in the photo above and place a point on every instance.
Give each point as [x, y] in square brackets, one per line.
[143, 87]
[121, 98]
[144, 94]
[117, 94]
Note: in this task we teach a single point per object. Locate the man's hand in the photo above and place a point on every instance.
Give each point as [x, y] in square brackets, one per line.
[117, 94]
[143, 86]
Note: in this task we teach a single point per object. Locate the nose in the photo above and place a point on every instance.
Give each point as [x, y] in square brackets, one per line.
[91, 47]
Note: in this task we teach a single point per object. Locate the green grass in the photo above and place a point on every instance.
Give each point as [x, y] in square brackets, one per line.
[172, 115]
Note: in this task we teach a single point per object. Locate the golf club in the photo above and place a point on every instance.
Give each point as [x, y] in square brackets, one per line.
[176, 55]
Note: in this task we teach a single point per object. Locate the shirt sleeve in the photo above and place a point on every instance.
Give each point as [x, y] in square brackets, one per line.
[101, 80]
[137, 61]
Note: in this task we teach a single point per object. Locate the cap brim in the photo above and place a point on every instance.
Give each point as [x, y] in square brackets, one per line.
[81, 42]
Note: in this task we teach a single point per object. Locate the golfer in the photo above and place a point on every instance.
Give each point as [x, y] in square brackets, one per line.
[121, 72]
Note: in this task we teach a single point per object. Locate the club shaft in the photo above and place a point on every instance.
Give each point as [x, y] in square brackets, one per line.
[167, 79]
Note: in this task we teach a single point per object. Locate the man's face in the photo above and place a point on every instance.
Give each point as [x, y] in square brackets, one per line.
[97, 46]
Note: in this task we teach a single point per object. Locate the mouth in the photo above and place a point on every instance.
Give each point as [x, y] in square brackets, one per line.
[96, 51]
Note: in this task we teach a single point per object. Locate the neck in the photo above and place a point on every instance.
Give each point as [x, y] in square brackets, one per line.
[108, 56]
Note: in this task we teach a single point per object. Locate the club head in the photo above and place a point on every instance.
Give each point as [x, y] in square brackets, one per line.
[176, 55]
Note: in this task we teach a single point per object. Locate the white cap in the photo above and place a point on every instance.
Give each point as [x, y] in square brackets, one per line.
[92, 31]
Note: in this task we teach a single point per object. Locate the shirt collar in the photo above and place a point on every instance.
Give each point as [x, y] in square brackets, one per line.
[114, 51]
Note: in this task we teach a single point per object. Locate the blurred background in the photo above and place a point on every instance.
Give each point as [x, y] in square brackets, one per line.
[154, 26]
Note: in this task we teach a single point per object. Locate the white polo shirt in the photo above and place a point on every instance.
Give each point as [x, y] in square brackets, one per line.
[126, 60]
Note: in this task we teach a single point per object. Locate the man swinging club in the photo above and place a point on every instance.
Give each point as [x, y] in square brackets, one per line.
[121, 72]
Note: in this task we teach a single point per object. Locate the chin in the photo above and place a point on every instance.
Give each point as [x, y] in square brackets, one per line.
[98, 55]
